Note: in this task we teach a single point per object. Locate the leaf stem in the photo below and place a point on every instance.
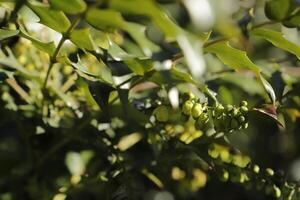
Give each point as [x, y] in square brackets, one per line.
[263, 24]
[64, 37]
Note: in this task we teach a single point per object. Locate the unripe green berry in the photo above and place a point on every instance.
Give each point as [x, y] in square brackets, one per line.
[202, 122]
[256, 169]
[269, 172]
[161, 113]
[224, 176]
[274, 191]
[190, 95]
[277, 192]
[242, 119]
[187, 107]
[219, 110]
[229, 108]
[245, 125]
[158, 102]
[244, 109]
[244, 103]
[203, 118]
[196, 110]
[235, 112]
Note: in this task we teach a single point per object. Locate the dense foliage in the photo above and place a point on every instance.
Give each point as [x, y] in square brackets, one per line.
[144, 99]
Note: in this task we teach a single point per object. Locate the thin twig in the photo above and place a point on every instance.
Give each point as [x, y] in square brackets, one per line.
[23, 94]
[263, 24]
[65, 36]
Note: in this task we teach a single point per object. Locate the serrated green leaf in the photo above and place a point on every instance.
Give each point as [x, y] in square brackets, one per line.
[118, 53]
[83, 86]
[69, 6]
[104, 19]
[172, 76]
[4, 34]
[82, 39]
[171, 30]
[277, 10]
[149, 9]
[54, 19]
[137, 32]
[109, 19]
[11, 62]
[45, 47]
[139, 67]
[233, 58]
[82, 68]
[277, 39]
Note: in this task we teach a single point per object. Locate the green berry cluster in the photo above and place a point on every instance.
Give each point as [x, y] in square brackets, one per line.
[222, 118]
[230, 118]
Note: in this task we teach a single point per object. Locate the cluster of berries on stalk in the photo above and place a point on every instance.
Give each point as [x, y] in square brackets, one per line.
[222, 118]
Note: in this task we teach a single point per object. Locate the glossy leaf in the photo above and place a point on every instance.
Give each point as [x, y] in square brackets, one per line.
[69, 6]
[4, 34]
[172, 31]
[137, 32]
[84, 69]
[172, 76]
[82, 39]
[118, 53]
[233, 58]
[54, 19]
[83, 86]
[139, 67]
[277, 39]
[109, 19]
[104, 19]
[46, 47]
[149, 9]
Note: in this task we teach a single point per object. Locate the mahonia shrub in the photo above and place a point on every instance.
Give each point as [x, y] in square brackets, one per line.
[145, 99]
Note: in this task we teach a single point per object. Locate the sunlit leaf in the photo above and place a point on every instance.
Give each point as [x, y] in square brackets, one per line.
[104, 19]
[11, 62]
[148, 8]
[83, 39]
[233, 58]
[139, 67]
[4, 33]
[137, 32]
[69, 6]
[54, 19]
[277, 39]
[46, 47]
